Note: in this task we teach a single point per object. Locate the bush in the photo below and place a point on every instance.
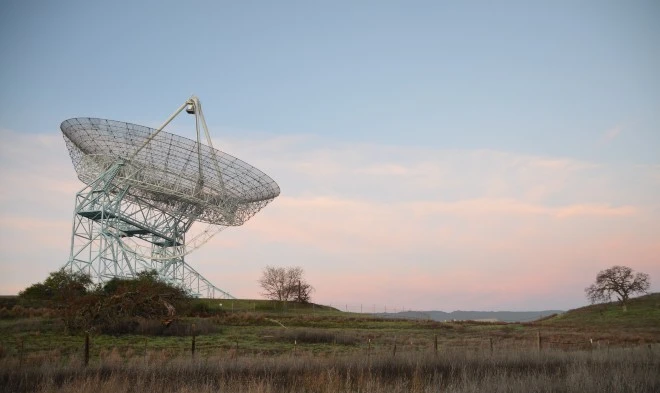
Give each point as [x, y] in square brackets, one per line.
[113, 307]
[60, 286]
[145, 296]
[200, 308]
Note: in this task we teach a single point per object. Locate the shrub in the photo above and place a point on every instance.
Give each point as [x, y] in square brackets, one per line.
[60, 285]
[200, 308]
[111, 308]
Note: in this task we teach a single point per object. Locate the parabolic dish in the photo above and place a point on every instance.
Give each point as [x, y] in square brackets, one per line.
[175, 174]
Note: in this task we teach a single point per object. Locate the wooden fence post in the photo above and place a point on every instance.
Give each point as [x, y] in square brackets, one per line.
[435, 345]
[192, 348]
[490, 340]
[394, 350]
[86, 349]
[538, 340]
[21, 345]
[369, 355]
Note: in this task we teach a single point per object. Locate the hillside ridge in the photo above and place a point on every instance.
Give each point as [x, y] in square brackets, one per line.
[459, 315]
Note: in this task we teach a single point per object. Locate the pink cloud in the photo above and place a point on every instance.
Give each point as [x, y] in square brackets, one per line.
[382, 224]
[513, 207]
[385, 169]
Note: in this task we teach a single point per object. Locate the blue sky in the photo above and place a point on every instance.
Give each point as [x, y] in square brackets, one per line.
[359, 95]
[514, 75]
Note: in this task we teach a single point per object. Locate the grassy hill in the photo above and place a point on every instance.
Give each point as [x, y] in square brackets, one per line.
[259, 306]
[643, 312]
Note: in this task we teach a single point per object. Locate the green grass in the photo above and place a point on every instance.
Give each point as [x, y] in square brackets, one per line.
[643, 312]
[267, 327]
[264, 306]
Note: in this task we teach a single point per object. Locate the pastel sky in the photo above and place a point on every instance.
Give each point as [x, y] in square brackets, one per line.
[431, 155]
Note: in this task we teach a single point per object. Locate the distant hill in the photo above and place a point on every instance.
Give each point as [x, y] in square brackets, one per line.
[491, 316]
[643, 313]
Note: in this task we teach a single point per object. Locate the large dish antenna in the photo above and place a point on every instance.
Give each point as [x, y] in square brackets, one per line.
[152, 197]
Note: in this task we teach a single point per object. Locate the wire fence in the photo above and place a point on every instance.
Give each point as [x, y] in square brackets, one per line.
[366, 308]
[88, 348]
[277, 306]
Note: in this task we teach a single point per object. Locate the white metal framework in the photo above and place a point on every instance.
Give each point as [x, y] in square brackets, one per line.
[145, 188]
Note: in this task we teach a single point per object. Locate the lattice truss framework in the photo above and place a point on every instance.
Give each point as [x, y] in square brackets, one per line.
[145, 188]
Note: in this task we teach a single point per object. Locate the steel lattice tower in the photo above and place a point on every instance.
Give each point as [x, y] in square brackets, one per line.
[144, 191]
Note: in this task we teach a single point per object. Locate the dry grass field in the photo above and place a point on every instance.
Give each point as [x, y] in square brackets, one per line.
[269, 349]
[614, 370]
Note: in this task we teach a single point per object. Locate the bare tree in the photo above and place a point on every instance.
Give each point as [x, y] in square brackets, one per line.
[274, 283]
[619, 281]
[303, 292]
[285, 283]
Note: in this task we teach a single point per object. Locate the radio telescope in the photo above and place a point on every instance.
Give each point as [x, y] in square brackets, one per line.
[152, 197]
